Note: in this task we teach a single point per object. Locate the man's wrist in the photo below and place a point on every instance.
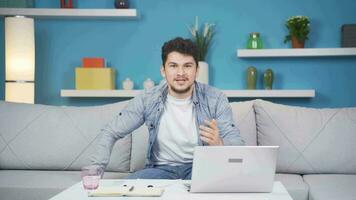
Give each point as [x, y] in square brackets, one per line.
[221, 142]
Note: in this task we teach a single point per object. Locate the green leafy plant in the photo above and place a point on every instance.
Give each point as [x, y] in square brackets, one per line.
[299, 27]
[202, 37]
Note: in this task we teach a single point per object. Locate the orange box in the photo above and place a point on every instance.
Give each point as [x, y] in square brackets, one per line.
[93, 62]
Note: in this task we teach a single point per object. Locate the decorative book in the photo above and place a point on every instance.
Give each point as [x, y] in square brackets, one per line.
[93, 62]
[94, 78]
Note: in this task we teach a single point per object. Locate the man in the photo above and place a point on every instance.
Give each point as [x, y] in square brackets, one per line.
[180, 114]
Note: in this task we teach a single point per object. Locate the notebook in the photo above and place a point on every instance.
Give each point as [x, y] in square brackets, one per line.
[125, 191]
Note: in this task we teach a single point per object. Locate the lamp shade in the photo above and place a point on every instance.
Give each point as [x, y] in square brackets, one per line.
[19, 49]
[20, 92]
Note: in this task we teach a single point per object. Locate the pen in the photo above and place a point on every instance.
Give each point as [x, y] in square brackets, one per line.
[131, 188]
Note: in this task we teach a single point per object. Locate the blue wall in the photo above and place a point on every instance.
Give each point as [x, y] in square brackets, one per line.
[132, 47]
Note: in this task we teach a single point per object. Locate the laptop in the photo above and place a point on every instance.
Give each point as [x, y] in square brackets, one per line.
[233, 168]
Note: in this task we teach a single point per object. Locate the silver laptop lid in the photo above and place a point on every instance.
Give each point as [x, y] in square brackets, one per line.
[233, 168]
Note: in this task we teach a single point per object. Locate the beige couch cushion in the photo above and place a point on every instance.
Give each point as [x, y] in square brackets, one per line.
[139, 148]
[295, 185]
[56, 138]
[244, 116]
[331, 186]
[310, 140]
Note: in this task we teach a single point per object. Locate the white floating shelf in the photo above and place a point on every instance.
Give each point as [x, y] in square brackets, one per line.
[69, 13]
[305, 52]
[271, 93]
[229, 93]
[99, 93]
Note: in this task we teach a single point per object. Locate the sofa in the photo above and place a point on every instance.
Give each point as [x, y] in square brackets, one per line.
[42, 148]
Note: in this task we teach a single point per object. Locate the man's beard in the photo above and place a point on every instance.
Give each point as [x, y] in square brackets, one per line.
[182, 91]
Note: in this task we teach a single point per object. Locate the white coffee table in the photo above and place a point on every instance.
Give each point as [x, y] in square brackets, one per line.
[174, 189]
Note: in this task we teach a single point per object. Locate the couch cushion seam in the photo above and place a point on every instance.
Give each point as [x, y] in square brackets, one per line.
[74, 124]
[245, 116]
[130, 160]
[81, 152]
[26, 165]
[3, 139]
[26, 126]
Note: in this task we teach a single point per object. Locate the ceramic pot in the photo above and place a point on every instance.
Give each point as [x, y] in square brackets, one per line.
[296, 43]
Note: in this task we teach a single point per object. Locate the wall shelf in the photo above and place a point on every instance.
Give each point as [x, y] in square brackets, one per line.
[229, 93]
[270, 93]
[306, 52]
[69, 13]
[99, 93]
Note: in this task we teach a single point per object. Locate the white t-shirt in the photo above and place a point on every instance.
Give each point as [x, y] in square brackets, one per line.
[177, 135]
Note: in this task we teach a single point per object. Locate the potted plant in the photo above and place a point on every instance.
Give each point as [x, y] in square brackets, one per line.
[299, 27]
[202, 37]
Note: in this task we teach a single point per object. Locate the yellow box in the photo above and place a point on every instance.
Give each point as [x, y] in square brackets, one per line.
[94, 78]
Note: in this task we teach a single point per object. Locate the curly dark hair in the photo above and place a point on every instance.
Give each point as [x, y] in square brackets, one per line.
[180, 45]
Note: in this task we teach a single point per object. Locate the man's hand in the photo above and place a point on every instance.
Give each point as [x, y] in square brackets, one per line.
[210, 134]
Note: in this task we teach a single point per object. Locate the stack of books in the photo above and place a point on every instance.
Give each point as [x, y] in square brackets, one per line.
[94, 75]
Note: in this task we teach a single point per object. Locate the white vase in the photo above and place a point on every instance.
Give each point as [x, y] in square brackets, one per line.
[127, 84]
[148, 83]
[203, 75]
